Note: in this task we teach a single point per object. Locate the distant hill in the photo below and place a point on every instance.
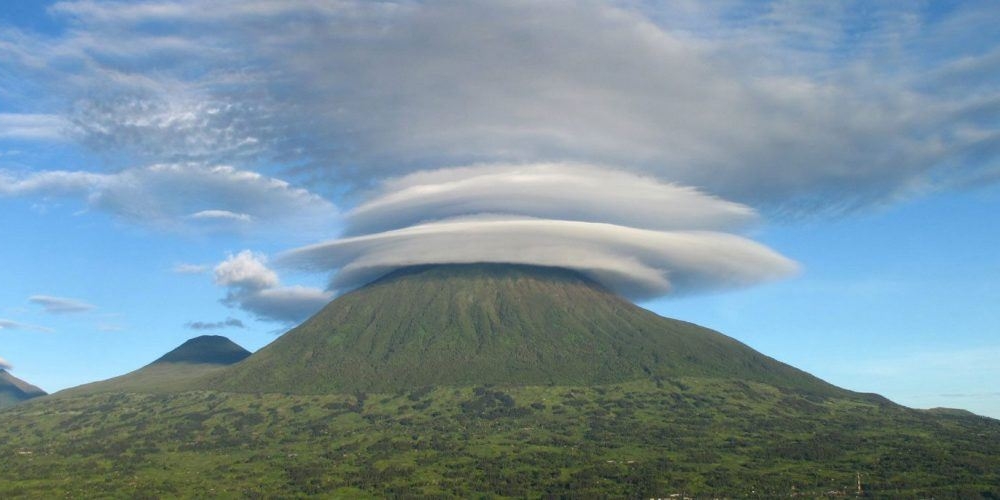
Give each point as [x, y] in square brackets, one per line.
[173, 371]
[14, 390]
[494, 324]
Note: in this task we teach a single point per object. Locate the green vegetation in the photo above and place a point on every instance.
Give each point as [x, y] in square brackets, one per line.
[486, 381]
[493, 324]
[702, 437]
[174, 371]
[206, 349]
[14, 390]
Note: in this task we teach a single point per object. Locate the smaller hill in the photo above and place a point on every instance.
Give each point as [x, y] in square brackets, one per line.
[14, 390]
[207, 349]
[174, 370]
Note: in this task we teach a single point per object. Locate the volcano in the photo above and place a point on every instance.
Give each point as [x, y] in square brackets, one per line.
[173, 371]
[507, 381]
[14, 390]
[501, 324]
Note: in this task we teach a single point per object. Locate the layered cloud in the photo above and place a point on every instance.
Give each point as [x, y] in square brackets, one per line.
[181, 195]
[637, 236]
[810, 107]
[637, 263]
[255, 288]
[60, 305]
[551, 191]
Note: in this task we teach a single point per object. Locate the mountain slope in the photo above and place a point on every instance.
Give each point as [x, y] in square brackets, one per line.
[494, 324]
[14, 390]
[544, 385]
[684, 437]
[173, 371]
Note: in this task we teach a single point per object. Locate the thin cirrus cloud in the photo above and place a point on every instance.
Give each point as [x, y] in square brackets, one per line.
[29, 126]
[806, 107]
[181, 196]
[60, 305]
[185, 268]
[254, 287]
[6, 324]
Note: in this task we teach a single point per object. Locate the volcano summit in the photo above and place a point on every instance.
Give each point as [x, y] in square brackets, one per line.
[502, 324]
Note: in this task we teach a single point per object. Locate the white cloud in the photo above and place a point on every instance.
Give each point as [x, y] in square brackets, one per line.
[637, 263]
[60, 305]
[181, 194]
[222, 215]
[547, 190]
[635, 235]
[32, 126]
[760, 103]
[255, 288]
[4, 365]
[6, 324]
[246, 270]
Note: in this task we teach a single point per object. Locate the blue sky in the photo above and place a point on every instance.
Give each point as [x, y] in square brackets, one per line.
[817, 180]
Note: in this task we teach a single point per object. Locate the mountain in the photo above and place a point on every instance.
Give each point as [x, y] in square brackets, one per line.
[14, 390]
[495, 381]
[173, 371]
[494, 324]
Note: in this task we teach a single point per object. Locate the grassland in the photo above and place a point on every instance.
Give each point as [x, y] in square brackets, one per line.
[690, 436]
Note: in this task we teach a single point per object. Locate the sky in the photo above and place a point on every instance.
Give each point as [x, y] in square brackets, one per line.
[818, 180]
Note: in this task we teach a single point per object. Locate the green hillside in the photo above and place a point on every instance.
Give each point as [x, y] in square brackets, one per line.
[486, 381]
[699, 437]
[14, 390]
[494, 324]
[174, 371]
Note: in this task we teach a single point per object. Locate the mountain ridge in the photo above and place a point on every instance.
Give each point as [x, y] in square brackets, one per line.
[174, 371]
[504, 324]
[14, 390]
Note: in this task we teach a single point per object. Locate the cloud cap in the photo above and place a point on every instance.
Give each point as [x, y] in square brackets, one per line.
[637, 263]
[561, 191]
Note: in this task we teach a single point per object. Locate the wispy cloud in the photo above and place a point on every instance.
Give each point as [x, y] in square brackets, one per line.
[812, 105]
[184, 268]
[175, 196]
[60, 305]
[6, 324]
[215, 325]
[33, 126]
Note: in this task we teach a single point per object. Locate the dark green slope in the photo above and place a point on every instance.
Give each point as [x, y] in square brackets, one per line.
[686, 437]
[14, 390]
[207, 349]
[195, 358]
[494, 324]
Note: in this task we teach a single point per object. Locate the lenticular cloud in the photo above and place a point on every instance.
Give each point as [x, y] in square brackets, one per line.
[635, 235]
